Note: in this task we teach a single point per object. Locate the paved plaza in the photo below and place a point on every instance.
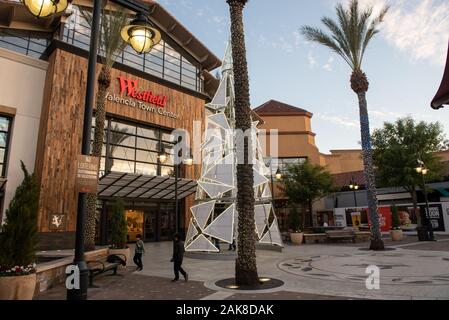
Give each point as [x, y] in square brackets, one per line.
[413, 270]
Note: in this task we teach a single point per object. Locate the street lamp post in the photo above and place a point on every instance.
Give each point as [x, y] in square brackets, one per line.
[80, 293]
[354, 187]
[422, 170]
[278, 177]
[177, 167]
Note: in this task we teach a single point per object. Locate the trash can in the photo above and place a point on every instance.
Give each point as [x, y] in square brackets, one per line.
[423, 234]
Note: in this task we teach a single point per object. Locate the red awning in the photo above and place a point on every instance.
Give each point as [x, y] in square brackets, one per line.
[442, 96]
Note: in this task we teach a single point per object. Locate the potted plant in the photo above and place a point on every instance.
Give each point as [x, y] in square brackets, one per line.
[396, 232]
[18, 241]
[119, 231]
[294, 221]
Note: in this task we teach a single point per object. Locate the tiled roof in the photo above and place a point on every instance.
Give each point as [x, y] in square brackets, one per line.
[273, 106]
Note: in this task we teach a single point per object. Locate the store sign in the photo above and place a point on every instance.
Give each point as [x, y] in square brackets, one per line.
[131, 95]
[87, 174]
[435, 215]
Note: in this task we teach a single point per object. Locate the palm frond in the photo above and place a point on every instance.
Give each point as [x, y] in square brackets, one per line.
[350, 34]
[111, 43]
[316, 35]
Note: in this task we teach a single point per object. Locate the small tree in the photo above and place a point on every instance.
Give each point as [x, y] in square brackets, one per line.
[18, 240]
[395, 221]
[119, 228]
[295, 220]
[306, 183]
[397, 148]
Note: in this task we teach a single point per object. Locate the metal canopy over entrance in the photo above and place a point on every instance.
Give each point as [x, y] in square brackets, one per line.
[143, 187]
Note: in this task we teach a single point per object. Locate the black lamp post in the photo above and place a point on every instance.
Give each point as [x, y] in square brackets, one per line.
[278, 176]
[354, 187]
[81, 293]
[177, 167]
[422, 170]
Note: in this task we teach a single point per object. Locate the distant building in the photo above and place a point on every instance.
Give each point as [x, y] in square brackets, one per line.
[293, 141]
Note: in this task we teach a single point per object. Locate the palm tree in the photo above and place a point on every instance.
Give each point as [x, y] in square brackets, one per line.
[245, 266]
[111, 45]
[349, 38]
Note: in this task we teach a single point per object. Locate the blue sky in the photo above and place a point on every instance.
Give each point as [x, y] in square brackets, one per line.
[404, 63]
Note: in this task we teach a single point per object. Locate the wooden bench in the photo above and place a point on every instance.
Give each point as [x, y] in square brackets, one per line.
[340, 235]
[362, 236]
[314, 238]
[100, 261]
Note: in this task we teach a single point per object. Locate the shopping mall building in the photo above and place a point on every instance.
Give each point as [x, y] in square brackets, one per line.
[296, 143]
[43, 65]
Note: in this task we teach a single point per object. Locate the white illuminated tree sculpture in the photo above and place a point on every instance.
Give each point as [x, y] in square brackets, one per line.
[214, 216]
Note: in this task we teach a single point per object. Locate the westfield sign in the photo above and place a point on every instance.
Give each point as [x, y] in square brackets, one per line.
[131, 95]
[130, 88]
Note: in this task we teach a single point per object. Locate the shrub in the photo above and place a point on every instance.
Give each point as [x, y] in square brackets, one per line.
[395, 221]
[119, 228]
[294, 220]
[18, 240]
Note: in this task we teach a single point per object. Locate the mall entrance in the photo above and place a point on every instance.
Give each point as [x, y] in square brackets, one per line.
[155, 221]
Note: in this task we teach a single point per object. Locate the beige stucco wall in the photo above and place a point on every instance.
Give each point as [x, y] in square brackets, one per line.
[21, 88]
[293, 139]
[341, 161]
[444, 155]
[286, 123]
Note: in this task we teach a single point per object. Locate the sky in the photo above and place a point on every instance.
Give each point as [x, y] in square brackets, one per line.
[404, 63]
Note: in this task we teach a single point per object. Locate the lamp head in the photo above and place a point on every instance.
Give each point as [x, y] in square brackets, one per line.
[45, 8]
[162, 157]
[140, 35]
[278, 174]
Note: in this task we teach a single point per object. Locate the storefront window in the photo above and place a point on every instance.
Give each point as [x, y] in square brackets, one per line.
[283, 163]
[162, 61]
[4, 141]
[28, 43]
[134, 148]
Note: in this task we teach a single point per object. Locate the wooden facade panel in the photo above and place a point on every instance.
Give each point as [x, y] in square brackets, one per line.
[62, 124]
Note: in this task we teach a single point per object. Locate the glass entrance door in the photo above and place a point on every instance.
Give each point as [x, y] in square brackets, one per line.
[167, 221]
[151, 223]
[134, 219]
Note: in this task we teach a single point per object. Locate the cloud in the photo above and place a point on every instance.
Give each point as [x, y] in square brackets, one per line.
[328, 65]
[339, 120]
[416, 27]
[288, 43]
[311, 59]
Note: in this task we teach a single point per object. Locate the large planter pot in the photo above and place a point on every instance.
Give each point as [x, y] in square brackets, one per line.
[296, 237]
[17, 287]
[122, 252]
[396, 235]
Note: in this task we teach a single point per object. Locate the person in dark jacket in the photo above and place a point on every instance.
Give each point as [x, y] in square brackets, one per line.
[178, 255]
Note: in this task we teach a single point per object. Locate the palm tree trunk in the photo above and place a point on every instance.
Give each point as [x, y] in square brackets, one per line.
[360, 85]
[367, 154]
[245, 266]
[104, 81]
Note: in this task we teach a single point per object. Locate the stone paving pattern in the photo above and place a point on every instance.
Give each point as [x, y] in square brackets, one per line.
[414, 270]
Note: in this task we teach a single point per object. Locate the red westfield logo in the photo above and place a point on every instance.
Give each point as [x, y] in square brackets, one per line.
[129, 87]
